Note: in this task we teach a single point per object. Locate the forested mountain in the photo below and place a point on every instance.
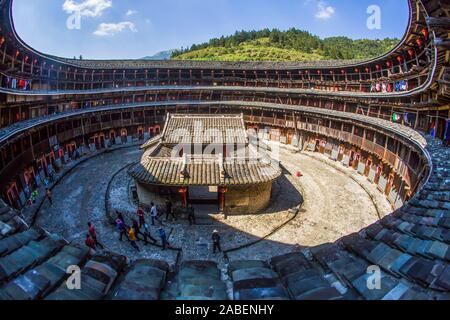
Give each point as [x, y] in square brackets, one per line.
[290, 45]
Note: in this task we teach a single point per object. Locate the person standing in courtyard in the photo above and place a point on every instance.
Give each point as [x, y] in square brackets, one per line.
[133, 239]
[120, 216]
[147, 234]
[137, 229]
[154, 214]
[26, 190]
[216, 241]
[141, 216]
[48, 195]
[169, 210]
[120, 225]
[191, 215]
[90, 243]
[163, 236]
[93, 235]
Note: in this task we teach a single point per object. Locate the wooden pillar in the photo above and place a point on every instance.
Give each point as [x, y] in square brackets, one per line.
[222, 191]
[183, 191]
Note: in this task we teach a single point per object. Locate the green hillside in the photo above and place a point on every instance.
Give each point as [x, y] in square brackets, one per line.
[291, 45]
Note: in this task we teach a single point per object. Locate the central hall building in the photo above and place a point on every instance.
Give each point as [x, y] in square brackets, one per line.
[207, 159]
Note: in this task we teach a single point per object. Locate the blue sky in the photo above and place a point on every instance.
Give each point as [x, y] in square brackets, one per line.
[114, 29]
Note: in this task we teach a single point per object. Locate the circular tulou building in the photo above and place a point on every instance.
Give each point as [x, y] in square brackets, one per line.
[66, 123]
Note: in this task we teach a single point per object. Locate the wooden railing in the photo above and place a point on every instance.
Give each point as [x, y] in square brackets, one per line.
[398, 164]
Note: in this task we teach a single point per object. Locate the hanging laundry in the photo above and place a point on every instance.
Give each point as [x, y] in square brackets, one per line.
[396, 117]
[409, 119]
[389, 87]
[401, 86]
[378, 87]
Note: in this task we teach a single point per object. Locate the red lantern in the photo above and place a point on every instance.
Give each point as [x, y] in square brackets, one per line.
[26, 58]
[399, 59]
[378, 67]
[342, 71]
[411, 53]
[356, 70]
[388, 64]
[425, 33]
[2, 41]
[318, 71]
[367, 70]
[419, 43]
[17, 53]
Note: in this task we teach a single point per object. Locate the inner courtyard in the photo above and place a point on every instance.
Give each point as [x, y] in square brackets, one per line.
[310, 210]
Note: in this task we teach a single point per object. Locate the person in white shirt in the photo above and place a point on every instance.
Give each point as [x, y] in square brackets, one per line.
[154, 213]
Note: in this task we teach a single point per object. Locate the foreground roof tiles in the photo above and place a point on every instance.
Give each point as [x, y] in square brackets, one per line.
[159, 166]
[204, 129]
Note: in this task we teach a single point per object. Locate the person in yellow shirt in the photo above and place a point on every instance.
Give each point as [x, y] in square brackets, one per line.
[132, 238]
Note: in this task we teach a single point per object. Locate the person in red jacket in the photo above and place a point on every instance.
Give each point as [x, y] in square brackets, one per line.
[141, 215]
[93, 235]
[90, 243]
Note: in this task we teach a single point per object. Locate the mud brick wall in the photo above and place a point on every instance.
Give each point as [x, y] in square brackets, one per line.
[247, 199]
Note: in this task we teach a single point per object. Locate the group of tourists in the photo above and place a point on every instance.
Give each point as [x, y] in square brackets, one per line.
[139, 230]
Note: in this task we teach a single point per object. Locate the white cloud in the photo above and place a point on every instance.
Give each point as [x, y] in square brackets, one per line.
[131, 13]
[87, 8]
[324, 11]
[110, 29]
